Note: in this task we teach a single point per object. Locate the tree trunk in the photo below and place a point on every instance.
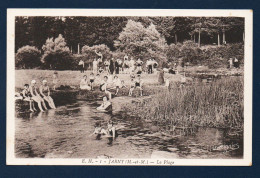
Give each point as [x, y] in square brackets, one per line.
[194, 38]
[78, 49]
[218, 40]
[176, 40]
[199, 38]
[243, 36]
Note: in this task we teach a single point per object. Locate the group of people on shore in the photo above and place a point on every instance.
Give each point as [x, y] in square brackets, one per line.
[32, 93]
[107, 83]
[117, 66]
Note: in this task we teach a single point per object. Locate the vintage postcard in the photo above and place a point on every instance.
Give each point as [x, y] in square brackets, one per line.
[129, 87]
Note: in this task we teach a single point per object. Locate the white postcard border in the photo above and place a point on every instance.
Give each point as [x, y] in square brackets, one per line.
[248, 68]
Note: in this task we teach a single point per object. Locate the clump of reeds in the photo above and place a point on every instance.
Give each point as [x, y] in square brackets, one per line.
[218, 104]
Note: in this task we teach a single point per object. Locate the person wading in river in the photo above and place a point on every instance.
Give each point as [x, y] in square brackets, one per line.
[105, 106]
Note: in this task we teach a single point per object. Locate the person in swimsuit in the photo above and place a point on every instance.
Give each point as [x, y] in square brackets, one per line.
[36, 96]
[95, 66]
[136, 84]
[103, 87]
[132, 64]
[139, 64]
[117, 83]
[132, 87]
[45, 92]
[117, 66]
[55, 80]
[81, 66]
[112, 66]
[107, 66]
[149, 66]
[105, 106]
[91, 80]
[120, 65]
[99, 61]
[110, 131]
[84, 84]
[26, 95]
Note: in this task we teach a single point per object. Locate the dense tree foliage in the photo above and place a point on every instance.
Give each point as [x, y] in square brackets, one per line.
[141, 42]
[56, 54]
[105, 30]
[166, 39]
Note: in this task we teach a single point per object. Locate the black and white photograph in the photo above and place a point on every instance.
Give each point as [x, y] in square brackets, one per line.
[129, 87]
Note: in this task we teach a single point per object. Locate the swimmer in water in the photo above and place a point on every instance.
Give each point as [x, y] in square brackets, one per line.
[110, 131]
[105, 105]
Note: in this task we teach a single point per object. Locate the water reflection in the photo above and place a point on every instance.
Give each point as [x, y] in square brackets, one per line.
[65, 133]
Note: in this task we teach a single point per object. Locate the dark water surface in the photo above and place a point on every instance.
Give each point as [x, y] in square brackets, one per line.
[64, 133]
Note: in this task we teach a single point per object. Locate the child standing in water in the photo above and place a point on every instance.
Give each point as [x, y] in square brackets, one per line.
[28, 97]
[55, 80]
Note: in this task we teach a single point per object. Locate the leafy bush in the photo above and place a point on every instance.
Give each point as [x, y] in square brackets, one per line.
[56, 54]
[219, 56]
[190, 52]
[90, 55]
[173, 52]
[28, 57]
[140, 42]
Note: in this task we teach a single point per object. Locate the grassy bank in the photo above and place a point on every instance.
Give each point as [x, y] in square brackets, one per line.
[218, 104]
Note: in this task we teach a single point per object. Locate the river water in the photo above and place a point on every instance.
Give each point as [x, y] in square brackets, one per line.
[65, 133]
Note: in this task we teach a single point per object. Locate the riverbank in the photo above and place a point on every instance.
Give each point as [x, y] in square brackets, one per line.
[216, 102]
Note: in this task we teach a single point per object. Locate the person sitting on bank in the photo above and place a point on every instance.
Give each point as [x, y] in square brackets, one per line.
[136, 84]
[36, 96]
[118, 84]
[84, 83]
[105, 106]
[103, 87]
[26, 96]
[45, 92]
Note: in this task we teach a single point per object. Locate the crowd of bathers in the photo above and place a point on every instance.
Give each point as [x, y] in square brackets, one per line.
[32, 93]
[117, 66]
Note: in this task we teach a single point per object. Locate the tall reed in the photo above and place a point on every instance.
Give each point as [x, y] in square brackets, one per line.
[218, 104]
